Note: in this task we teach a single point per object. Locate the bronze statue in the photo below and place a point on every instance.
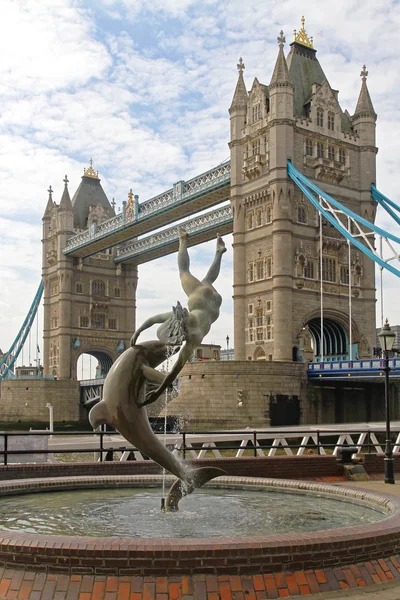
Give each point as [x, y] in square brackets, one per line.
[133, 381]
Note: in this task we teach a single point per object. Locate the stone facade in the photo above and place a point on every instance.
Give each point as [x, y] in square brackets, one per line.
[231, 394]
[276, 229]
[25, 400]
[89, 304]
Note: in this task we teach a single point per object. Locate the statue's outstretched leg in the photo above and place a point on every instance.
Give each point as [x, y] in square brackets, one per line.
[188, 281]
[213, 271]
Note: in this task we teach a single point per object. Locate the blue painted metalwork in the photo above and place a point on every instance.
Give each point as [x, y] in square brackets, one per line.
[334, 340]
[365, 368]
[307, 187]
[386, 203]
[11, 356]
[182, 192]
[210, 221]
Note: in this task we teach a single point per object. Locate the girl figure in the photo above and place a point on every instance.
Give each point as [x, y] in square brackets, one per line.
[187, 326]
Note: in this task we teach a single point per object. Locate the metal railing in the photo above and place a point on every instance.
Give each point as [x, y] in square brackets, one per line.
[196, 444]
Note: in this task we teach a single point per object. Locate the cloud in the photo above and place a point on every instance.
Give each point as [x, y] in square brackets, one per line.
[144, 89]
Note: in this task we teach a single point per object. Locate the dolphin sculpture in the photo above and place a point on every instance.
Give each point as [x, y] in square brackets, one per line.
[124, 391]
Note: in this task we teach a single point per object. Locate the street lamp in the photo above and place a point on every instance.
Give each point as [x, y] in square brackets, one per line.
[386, 338]
[227, 342]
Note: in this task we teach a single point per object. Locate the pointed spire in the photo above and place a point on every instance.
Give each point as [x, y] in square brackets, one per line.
[240, 97]
[66, 203]
[364, 106]
[50, 203]
[280, 76]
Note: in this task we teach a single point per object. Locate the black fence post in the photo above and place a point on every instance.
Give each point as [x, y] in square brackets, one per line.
[184, 444]
[101, 446]
[255, 442]
[5, 448]
[318, 443]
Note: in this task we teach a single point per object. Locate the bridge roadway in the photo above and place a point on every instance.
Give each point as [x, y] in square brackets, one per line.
[199, 443]
[184, 199]
[201, 229]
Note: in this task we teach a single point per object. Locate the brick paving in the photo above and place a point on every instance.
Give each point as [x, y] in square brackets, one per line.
[28, 585]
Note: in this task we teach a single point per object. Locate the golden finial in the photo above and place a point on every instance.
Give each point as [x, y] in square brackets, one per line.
[90, 172]
[130, 197]
[301, 37]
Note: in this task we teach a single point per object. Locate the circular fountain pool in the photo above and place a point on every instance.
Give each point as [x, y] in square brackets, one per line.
[205, 513]
[360, 525]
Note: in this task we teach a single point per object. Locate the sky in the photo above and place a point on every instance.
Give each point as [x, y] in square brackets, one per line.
[143, 88]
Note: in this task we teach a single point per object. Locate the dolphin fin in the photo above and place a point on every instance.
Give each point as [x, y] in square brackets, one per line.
[198, 478]
[99, 414]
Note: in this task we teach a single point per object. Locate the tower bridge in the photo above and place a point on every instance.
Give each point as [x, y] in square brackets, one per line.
[301, 188]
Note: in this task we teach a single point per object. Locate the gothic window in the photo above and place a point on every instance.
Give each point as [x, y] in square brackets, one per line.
[328, 269]
[117, 292]
[250, 221]
[251, 337]
[342, 156]
[79, 288]
[256, 147]
[98, 320]
[260, 318]
[260, 269]
[269, 267]
[259, 218]
[309, 270]
[268, 214]
[256, 112]
[268, 305]
[331, 152]
[344, 275]
[250, 323]
[301, 214]
[309, 147]
[251, 308]
[331, 121]
[260, 336]
[251, 272]
[83, 321]
[320, 150]
[320, 117]
[112, 324]
[98, 288]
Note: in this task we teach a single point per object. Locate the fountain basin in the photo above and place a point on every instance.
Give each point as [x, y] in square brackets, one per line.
[222, 555]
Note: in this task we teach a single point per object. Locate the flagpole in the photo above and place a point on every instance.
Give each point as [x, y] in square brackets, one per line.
[321, 352]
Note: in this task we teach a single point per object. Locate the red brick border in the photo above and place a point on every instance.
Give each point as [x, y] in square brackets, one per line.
[214, 556]
[27, 585]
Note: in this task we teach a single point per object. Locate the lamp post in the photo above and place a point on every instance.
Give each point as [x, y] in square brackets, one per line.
[227, 342]
[386, 338]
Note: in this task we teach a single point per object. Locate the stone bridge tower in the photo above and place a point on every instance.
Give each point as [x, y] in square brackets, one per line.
[276, 229]
[89, 304]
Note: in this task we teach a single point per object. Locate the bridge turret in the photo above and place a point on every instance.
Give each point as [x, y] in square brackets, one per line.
[281, 141]
[364, 123]
[238, 113]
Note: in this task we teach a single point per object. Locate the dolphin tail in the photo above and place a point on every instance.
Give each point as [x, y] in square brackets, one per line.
[198, 477]
[99, 414]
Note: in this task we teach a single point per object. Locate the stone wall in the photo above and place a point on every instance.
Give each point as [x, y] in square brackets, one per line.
[25, 400]
[226, 394]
